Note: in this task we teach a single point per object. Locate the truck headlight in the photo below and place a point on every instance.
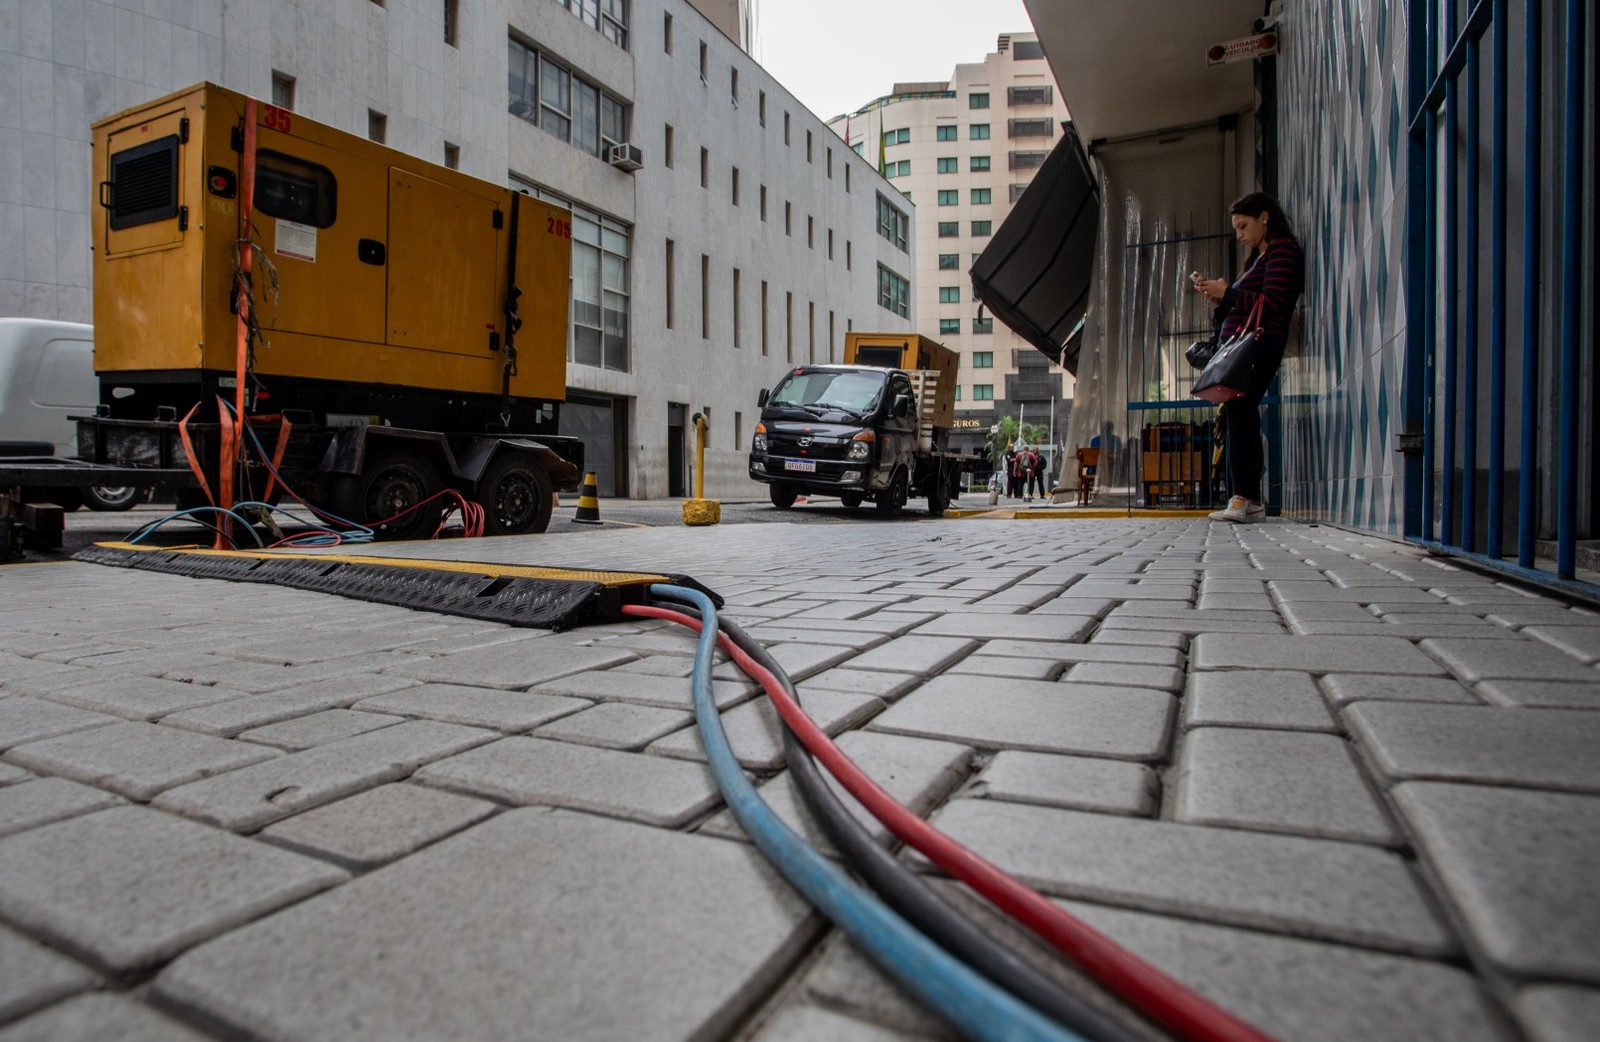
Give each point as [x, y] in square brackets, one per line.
[860, 446]
[759, 444]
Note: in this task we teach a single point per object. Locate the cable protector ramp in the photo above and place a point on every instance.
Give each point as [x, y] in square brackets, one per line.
[533, 596]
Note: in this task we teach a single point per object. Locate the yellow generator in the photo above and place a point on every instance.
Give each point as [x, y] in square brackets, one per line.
[388, 328]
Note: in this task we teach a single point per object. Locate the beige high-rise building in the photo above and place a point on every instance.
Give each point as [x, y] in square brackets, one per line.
[963, 150]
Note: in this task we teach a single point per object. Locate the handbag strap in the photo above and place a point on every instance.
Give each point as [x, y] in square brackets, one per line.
[1254, 321]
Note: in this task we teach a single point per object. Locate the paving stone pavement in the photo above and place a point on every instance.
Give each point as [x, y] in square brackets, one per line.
[1344, 788]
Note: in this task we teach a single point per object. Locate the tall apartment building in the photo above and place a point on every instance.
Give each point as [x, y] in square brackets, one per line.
[746, 241]
[964, 150]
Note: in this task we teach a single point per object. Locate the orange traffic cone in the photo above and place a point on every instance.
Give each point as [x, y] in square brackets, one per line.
[588, 501]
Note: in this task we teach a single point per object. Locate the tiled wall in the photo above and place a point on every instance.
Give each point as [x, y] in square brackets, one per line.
[1342, 180]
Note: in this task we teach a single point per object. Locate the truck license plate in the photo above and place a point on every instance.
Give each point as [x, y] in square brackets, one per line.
[800, 464]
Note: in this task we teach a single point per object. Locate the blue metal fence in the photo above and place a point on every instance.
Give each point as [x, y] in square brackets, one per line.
[1447, 289]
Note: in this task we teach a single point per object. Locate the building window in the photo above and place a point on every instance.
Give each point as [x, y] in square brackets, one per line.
[949, 197]
[808, 146]
[672, 297]
[738, 430]
[978, 132]
[1026, 50]
[982, 227]
[705, 297]
[1029, 95]
[949, 262]
[450, 22]
[945, 133]
[610, 17]
[283, 90]
[786, 129]
[763, 202]
[788, 218]
[788, 326]
[733, 87]
[958, 392]
[849, 255]
[542, 92]
[761, 107]
[555, 99]
[377, 126]
[738, 331]
[980, 196]
[666, 147]
[983, 326]
[978, 164]
[830, 164]
[893, 224]
[705, 167]
[830, 244]
[949, 229]
[1017, 190]
[452, 156]
[949, 326]
[982, 359]
[830, 334]
[847, 179]
[983, 392]
[666, 33]
[811, 331]
[703, 77]
[1044, 127]
[901, 168]
[894, 292]
[586, 117]
[948, 165]
[897, 137]
[1027, 160]
[735, 186]
[949, 294]
[978, 101]
[811, 232]
[763, 318]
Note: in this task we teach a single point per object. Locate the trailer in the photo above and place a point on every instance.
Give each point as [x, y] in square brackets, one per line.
[281, 307]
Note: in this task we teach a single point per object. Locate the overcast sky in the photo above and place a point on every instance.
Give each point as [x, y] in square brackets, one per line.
[837, 55]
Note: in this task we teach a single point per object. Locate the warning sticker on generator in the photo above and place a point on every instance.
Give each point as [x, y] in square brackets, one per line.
[296, 240]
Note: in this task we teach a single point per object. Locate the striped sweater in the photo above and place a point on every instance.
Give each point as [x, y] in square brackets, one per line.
[1278, 275]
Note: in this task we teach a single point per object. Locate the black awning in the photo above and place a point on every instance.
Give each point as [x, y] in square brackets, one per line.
[1035, 274]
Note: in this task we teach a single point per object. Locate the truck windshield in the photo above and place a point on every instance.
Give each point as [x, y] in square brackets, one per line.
[856, 392]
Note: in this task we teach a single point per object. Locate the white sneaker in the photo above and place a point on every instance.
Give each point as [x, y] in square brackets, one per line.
[1240, 511]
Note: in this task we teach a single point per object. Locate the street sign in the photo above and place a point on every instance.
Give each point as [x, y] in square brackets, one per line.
[1259, 45]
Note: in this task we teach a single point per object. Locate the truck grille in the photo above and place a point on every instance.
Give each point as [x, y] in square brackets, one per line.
[144, 183]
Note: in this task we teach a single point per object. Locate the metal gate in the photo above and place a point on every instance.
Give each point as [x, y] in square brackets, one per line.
[1499, 373]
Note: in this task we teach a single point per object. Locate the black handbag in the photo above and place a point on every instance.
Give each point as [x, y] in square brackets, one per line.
[1201, 351]
[1227, 374]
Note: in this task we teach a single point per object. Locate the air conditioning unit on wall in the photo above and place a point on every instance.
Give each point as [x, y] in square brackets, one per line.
[626, 157]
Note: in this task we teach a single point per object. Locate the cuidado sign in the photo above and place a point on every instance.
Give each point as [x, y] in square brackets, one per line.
[1258, 46]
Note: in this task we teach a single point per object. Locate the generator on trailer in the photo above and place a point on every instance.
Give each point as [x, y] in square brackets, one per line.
[279, 302]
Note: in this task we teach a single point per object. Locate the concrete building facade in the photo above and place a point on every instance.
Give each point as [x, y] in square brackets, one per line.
[746, 240]
[964, 150]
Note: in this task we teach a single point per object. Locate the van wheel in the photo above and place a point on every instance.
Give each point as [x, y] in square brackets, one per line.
[383, 494]
[515, 493]
[783, 496]
[892, 500]
[112, 497]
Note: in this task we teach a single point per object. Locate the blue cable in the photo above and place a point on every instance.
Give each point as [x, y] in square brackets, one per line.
[976, 1007]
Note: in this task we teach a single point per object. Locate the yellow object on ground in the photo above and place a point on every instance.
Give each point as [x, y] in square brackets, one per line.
[701, 512]
[588, 501]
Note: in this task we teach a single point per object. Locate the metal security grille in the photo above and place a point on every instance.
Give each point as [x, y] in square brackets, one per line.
[144, 183]
[1500, 380]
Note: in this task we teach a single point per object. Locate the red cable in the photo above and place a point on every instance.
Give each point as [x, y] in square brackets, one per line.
[1166, 1001]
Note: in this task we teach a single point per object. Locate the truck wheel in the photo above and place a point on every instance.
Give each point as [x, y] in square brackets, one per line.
[387, 486]
[892, 500]
[112, 497]
[783, 496]
[851, 500]
[515, 493]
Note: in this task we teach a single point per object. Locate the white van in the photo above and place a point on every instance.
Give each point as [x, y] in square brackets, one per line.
[46, 376]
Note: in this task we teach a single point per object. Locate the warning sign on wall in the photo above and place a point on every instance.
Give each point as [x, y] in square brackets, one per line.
[1258, 46]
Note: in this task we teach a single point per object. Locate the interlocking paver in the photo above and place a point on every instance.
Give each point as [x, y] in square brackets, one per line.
[1388, 655]
[625, 685]
[137, 760]
[1548, 748]
[260, 794]
[1509, 660]
[33, 976]
[536, 771]
[1508, 859]
[242, 712]
[514, 911]
[1343, 688]
[92, 1018]
[1056, 651]
[616, 725]
[1007, 666]
[16, 667]
[24, 719]
[755, 732]
[1581, 642]
[130, 887]
[797, 1023]
[918, 655]
[1279, 781]
[379, 825]
[507, 711]
[1256, 698]
[130, 697]
[1558, 1013]
[1120, 722]
[49, 799]
[11, 775]
[1337, 891]
[1016, 627]
[330, 725]
[515, 667]
[887, 686]
[1541, 694]
[1072, 782]
[1162, 678]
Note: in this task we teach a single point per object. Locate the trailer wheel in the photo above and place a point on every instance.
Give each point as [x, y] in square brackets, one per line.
[515, 493]
[112, 497]
[783, 495]
[892, 500]
[938, 495]
[388, 485]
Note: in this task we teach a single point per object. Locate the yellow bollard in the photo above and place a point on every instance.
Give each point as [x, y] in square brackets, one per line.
[699, 510]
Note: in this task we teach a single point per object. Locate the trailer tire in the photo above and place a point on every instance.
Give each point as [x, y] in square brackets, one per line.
[112, 497]
[515, 493]
[938, 496]
[388, 484]
[892, 499]
[782, 494]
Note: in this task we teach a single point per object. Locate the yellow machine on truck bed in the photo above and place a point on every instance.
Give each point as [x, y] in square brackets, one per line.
[404, 331]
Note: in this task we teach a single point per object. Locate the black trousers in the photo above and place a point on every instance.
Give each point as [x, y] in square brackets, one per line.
[1241, 422]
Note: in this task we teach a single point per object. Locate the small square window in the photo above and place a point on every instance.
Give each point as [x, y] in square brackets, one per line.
[945, 133]
[982, 326]
[949, 261]
[949, 294]
[949, 197]
[978, 132]
[452, 156]
[978, 164]
[949, 229]
[283, 90]
[980, 196]
[983, 392]
[982, 227]
[451, 20]
[977, 101]
[981, 359]
[377, 126]
[949, 326]
[948, 165]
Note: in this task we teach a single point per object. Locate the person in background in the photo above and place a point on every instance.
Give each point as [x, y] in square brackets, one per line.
[1274, 274]
[1036, 469]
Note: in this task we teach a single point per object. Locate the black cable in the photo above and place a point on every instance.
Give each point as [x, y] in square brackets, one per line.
[905, 892]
